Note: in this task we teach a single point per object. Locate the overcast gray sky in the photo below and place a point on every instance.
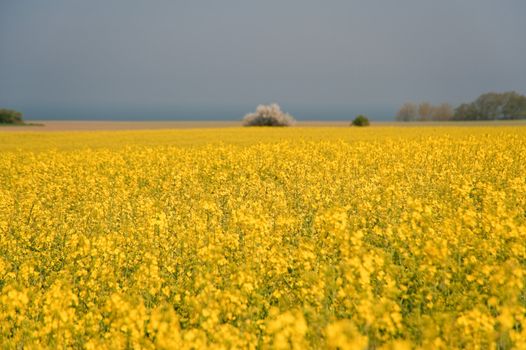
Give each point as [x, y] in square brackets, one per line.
[210, 59]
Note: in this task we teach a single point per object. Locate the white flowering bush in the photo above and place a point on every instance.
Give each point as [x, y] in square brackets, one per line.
[268, 115]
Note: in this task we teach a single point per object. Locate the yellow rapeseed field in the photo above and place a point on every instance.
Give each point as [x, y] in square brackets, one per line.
[338, 238]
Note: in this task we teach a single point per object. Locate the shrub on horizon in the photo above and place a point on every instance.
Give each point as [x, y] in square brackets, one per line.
[360, 120]
[9, 116]
[268, 115]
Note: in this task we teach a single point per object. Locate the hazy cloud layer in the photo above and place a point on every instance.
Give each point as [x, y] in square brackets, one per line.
[219, 59]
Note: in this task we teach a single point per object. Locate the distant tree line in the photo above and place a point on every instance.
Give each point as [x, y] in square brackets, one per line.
[489, 106]
[424, 112]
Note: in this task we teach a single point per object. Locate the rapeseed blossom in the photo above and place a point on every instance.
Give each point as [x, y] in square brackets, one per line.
[386, 238]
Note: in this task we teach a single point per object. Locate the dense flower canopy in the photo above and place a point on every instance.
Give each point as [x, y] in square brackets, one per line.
[330, 238]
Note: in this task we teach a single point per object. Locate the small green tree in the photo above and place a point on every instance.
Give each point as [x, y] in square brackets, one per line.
[360, 120]
[9, 116]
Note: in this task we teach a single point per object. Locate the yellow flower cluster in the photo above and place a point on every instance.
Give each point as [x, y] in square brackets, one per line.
[389, 238]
